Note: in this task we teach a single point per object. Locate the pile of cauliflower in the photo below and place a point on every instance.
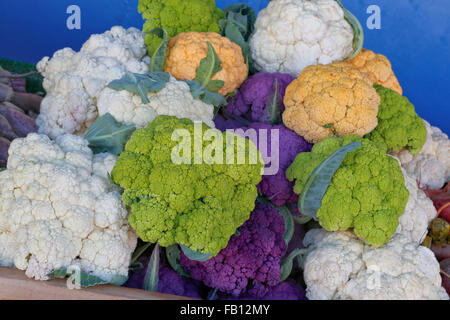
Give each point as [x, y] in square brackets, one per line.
[59, 209]
[296, 74]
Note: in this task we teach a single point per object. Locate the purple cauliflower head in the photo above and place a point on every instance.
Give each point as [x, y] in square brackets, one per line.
[256, 93]
[286, 290]
[253, 254]
[274, 186]
[169, 281]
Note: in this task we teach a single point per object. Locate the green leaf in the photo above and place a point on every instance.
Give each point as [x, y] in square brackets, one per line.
[152, 274]
[193, 255]
[243, 17]
[214, 85]
[232, 32]
[287, 216]
[2, 169]
[173, 257]
[238, 25]
[208, 67]
[84, 279]
[139, 251]
[273, 106]
[198, 91]
[288, 262]
[212, 294]
[302, 219]
[108, 135]
[141, 84]
[158, 59]
[202, 87]
[317, 184]
[288, 223]
[358, 31]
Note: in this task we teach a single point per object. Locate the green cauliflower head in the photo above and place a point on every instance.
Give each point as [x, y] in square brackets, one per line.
[198, 205]
[367, 192]
[399, 127]
[177, 16]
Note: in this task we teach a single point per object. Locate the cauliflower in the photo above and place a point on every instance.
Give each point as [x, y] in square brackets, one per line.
[286, 290]
[418, 213]
[367, 192]
[59, 209]
[253, 99]
[175, 99]
[186, 50]
[342, 267]
[274, 186]
[177, 16]
[293, 34]
[399, 127]
[431, 167]
[254, 254]
[169, 281]
[331, 100]
[74, 80]
[198, 204]
[378, 68]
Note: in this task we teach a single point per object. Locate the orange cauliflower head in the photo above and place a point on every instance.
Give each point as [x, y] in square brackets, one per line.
[331, 100]
[378, 68]
[186, 50]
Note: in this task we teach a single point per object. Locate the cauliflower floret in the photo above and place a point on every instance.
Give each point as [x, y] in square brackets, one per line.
[114, 261]
[331, 100]
[188, 49]
[378, 68]
[342, 267]
[73, 80]
[293, 34]
[418, 213]
[336, 258]
[175, 99]
[59, 209]
[431, 167]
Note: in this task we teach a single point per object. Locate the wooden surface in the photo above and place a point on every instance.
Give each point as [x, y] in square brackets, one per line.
[15, 285]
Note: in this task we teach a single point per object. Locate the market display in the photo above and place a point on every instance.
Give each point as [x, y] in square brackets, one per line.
[229, 157]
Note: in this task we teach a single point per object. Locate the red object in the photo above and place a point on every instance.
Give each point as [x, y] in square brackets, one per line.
[441, 201]
[445, 274]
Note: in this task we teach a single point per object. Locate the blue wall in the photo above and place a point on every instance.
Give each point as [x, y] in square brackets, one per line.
[414, 34]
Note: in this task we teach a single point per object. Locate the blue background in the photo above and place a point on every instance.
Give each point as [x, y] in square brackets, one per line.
[414, 35]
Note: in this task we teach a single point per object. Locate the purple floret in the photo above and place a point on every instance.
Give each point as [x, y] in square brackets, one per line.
[253, 254]
[222, 124]
[287, 290]
[251, 99]
[169, 282]
[275, 187]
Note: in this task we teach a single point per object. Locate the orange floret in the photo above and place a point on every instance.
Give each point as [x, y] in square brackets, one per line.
[331, 100]
[186, 50]
[378, 68]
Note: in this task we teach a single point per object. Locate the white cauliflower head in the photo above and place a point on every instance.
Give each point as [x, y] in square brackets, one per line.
[175, 99]
[431, 167]
[58, 208]
[418, 213]
[340, 266]
[73, 80]
[293, 34]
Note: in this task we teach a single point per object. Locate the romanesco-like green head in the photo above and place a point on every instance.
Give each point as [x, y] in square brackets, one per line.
[199, 205]
[399, 127]
[177, 16]
[367, 193]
